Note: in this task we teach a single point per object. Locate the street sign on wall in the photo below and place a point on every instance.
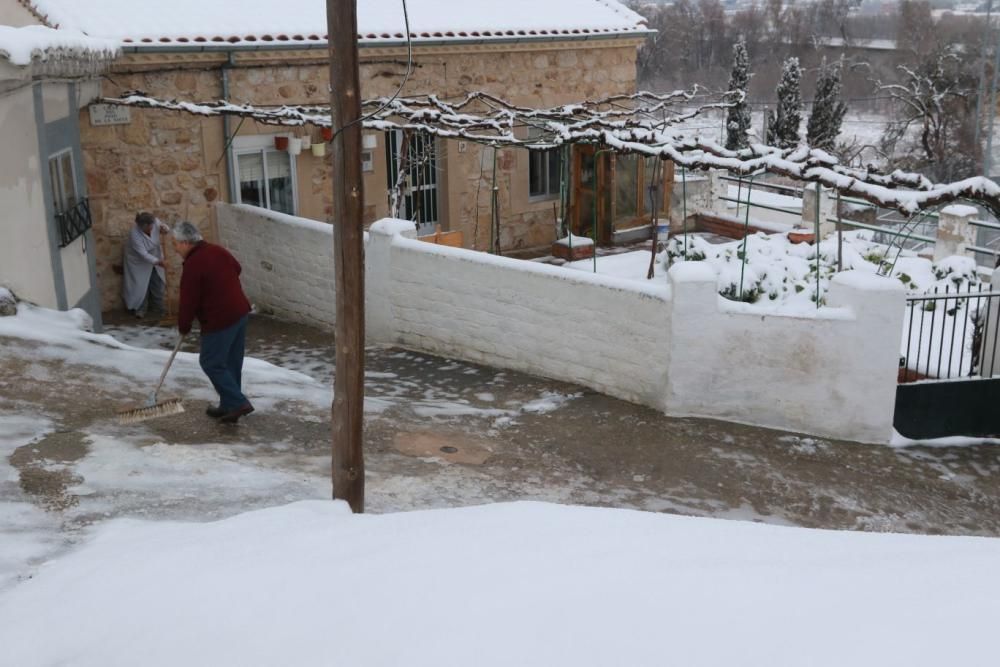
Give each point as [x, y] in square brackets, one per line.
[109, 114]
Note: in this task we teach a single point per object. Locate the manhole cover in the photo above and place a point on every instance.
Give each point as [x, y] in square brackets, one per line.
[451, 447]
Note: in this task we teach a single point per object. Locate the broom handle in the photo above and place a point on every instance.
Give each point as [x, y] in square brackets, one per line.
[163, 375]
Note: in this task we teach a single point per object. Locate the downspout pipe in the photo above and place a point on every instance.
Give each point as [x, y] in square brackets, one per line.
[227, 131]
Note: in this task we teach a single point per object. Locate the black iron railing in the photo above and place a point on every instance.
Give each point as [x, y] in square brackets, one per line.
[949, 334]
[74, 222]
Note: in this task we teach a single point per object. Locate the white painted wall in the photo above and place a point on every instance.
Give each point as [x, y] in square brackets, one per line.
[831, 374]
[601, 332]
[25, 260]
[287, 261]
[12, 13]
[679, 348]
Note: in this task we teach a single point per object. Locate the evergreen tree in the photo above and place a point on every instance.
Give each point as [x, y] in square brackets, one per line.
[783, 128]
[738, 116]
[828, 109]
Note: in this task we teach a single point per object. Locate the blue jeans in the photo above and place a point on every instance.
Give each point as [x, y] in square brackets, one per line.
[222, 360]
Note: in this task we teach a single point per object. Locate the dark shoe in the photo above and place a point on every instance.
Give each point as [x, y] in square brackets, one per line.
[215, 413]
[234, 416]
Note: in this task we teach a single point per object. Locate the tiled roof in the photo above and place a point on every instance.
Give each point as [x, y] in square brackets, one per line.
[167, 23]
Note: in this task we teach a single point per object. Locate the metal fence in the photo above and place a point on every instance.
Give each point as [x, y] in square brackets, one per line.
[945, 337]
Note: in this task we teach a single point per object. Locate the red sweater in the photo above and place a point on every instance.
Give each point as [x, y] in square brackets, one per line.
[210, 290]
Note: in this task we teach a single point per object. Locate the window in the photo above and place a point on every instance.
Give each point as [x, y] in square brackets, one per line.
[63, 179]
[265, 177]
[544, 170]
[72, 212]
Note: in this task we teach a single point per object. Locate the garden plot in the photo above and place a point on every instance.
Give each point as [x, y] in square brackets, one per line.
[781, 277]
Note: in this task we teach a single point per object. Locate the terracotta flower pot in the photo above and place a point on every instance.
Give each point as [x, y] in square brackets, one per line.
[327, 133]
[281, 143]
[802, 236]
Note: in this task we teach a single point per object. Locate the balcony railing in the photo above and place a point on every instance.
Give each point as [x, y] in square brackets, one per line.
[74, 223]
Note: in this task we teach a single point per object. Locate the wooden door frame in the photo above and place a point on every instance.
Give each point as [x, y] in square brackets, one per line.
[605, 193]
[602, 178]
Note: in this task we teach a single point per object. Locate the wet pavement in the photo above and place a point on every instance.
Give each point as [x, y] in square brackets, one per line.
[442, 433]
[553, 441]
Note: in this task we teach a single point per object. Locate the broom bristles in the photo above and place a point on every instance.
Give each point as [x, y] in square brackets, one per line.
[172, 406]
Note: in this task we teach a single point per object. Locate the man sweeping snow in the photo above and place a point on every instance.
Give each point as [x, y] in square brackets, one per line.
[211, 292]
[145, 280]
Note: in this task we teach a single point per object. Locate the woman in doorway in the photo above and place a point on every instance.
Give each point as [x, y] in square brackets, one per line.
[145, 280]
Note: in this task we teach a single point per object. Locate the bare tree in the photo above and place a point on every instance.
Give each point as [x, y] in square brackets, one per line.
[934, 125]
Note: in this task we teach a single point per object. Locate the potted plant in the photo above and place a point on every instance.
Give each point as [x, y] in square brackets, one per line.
[306, 141]
[327, 133]
[294, 145]
[281, 142]
[319, 149]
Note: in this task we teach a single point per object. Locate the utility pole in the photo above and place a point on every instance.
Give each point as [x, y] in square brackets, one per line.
[348, 464]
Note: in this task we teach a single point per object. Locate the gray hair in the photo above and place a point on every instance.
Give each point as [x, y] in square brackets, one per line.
[186, 232]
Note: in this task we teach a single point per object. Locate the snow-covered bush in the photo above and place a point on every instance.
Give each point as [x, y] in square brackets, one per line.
[779, 272]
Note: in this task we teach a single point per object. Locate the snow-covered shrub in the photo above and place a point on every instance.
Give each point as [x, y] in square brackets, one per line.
[782, 273]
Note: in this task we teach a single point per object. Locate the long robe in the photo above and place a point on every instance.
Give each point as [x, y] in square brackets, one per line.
[141, 255]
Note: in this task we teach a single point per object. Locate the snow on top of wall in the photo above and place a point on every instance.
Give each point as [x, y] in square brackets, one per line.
[960, 210]
[21, 46]
[869, 282]
[574, 240]
[264, 23]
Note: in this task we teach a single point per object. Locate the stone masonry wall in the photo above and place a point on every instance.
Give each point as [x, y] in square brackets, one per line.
[174, 164]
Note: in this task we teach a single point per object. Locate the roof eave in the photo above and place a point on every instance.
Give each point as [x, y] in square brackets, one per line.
[309, 46]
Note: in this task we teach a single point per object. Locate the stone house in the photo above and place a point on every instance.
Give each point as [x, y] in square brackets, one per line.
[179, 166]
[47, 249]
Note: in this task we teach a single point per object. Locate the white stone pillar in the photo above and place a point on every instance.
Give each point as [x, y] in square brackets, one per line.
[379, 321]
[954, 233]
[826, 212]
[878, 305]
[717, 189]
[990, 348]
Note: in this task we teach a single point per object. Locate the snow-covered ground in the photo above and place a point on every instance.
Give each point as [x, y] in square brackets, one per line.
[274, 580]
[506, 584]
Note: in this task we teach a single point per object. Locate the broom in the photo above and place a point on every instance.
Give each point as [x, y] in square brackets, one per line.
[169, 319]
[153, 408]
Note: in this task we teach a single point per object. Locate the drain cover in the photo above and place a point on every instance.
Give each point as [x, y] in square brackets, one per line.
[448, 449]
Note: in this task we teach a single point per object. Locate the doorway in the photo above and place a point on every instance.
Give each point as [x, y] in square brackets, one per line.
[617, 193]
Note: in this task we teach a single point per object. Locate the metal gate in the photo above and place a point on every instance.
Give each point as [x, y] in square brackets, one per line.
[949, 375]
[417, 160]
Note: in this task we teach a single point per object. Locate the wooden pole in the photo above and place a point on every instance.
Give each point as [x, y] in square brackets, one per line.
[348, 466]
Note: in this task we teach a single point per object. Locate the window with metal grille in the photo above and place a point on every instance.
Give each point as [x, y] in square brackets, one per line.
[72, 212]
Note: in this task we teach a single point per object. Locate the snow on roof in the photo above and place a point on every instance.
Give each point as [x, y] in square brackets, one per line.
[22, 46]
[161, 23]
